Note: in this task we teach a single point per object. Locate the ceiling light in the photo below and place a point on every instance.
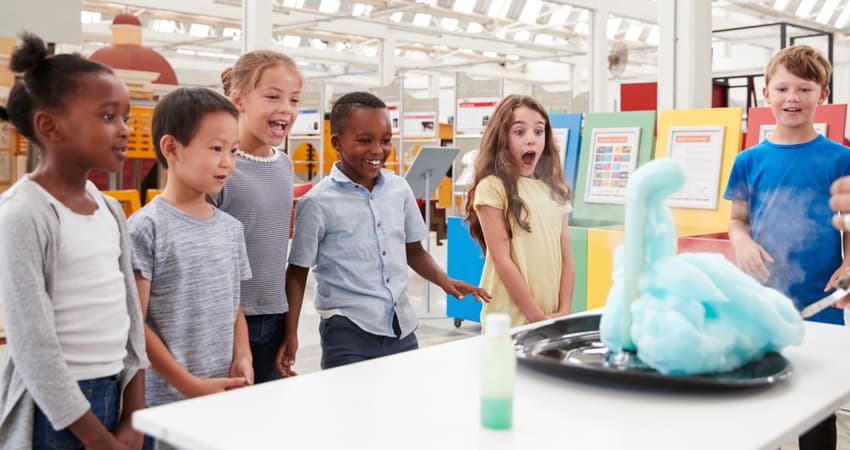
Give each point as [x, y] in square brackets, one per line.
[780, 5]
[521, 36]
[501, 34]
[293, 3]
[396, 17]
[613, 26]
[370, 51]
[512, 57]
[826, 11]
[544, 39]
[291, 41]
[560, 15]
[498, 8]
[805, 8]
[318, 43]
[448, 23]
[339, 46]
[490, 54]
[464, 6]
[165, 26]
[233, 33]
[842, 19]
[581, 28]
[199, 30]
[360, 9]
[329, 6]
[530, 11]
[475, 27]
[635, 30]
[422, 19]
[89, 17]
[654, 38]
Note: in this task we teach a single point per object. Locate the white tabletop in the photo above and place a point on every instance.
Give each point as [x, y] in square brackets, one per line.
[429, 399]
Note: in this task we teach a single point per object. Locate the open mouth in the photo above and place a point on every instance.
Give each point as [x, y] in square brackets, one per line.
[792, 110]
[221, 178]
[528, 157]
[378, 163]
[278, 127]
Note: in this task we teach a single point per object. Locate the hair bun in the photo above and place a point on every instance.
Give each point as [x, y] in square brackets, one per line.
[29, 54]
[227, 80]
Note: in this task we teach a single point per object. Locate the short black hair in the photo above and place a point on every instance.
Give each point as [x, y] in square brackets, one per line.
[47, 82]
[180, 112]
[343, 106]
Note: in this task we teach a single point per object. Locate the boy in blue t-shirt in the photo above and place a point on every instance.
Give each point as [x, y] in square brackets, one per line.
[361, 229]
[780, 221]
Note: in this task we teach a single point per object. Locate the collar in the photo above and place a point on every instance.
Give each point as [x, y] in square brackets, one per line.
[341, 178]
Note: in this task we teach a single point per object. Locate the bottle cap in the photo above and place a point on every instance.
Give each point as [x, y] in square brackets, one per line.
[497, 324]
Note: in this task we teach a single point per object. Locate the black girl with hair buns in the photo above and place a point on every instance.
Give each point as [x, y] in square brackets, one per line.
[75, 341]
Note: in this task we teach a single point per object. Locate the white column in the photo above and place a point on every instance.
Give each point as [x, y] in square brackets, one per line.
[434, 85]
[598, 73]
[386, 67]
[684, 54]
[256, 25]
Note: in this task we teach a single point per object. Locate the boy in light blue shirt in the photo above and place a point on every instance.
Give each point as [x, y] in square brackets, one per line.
[360, 228]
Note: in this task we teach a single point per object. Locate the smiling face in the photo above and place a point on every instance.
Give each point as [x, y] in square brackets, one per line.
[93, 125]
[527, 139]
[364, 144]
[205, 164]
[793, 100]
[269, 110]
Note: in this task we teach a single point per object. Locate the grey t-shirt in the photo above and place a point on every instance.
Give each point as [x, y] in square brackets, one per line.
[259, 194]
[195, 267]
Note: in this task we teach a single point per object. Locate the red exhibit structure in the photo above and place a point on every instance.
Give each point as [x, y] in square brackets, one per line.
[834, 116]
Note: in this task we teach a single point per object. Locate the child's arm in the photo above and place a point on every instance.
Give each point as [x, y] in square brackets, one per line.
[296, 281]
[242, 365]
[844, 268]
[422, 263]
[498, 245]
[134, 400]
[747, 251]
[163, 362]
[568, 270]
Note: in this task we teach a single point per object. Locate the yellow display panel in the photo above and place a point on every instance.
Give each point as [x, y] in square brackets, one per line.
[701, 221]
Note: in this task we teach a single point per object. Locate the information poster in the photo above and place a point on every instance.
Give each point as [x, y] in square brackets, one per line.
[613, 159]
[308, 123]
[393, 109]
[420, 125]
[701, 150]
[767, 130]
[561, 136]
[473, 115]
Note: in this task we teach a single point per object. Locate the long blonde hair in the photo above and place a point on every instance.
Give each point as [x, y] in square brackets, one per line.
[494, 158]
[245, 74]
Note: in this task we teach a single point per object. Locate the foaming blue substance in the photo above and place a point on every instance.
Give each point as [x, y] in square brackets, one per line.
[694, 312]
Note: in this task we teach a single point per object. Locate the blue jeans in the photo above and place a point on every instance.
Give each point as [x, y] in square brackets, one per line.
[343, 342]
[265, 334]
[104, 395]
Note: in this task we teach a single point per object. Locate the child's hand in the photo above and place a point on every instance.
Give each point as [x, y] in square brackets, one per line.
[207, 386]
[107, 442]
[285, 358]
[555, 314]
[125, 433]
[750, 256]
[840, 272]
[459, 289]
[242, 368]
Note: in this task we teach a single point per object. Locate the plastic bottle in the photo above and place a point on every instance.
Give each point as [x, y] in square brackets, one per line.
[498, 370]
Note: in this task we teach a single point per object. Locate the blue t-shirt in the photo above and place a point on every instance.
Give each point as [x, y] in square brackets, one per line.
[787, 187]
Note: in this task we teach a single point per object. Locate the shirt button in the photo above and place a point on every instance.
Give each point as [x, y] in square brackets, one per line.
[379, 224]
[388, 279]
[384, 253]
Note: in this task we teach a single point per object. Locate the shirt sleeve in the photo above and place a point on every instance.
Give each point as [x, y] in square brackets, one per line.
[309, 231]
[490, 192]
[415, 229]
[28, 309]
[244, 263]
[737, 187]
[142, 240]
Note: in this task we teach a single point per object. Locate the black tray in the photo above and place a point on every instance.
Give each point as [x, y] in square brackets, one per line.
[571, 347]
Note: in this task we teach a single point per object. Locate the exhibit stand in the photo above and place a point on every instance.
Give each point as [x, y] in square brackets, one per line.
[306, 144]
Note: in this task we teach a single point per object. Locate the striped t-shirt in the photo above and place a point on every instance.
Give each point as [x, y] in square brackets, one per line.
[259, 194]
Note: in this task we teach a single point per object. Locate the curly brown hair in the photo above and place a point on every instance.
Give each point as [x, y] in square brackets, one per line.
[494, 158]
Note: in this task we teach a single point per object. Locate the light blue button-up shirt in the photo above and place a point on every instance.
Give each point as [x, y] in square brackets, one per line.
[355, 241]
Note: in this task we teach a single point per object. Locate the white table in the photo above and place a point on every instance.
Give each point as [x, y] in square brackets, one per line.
[429, 399]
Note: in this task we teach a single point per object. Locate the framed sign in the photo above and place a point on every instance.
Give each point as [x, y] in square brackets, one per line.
[766, 130]
[420, 125]
[612, 160]
[473, 115]
[308, 123]
[701, 150]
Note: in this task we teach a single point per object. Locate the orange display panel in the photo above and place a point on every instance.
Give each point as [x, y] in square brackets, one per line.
[141, 138]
